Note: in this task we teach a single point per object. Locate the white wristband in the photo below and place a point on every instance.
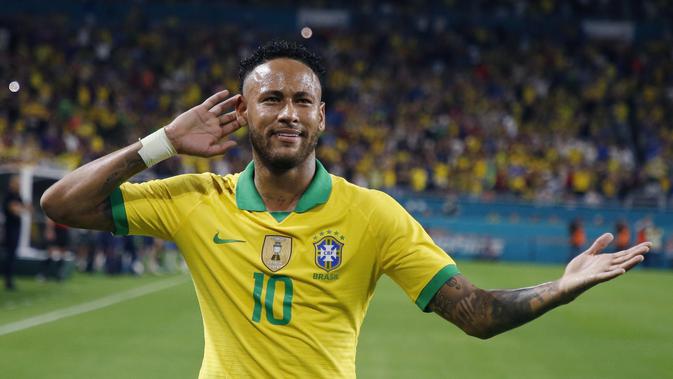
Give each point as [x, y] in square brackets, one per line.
[156, 148]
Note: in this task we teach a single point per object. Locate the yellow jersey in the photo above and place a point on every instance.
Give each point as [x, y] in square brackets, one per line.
[283, 294]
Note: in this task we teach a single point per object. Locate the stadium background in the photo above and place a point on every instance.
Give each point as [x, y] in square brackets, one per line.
[496, 125]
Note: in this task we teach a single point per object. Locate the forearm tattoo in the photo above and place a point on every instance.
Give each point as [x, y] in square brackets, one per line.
[485, 313]
[130, 166]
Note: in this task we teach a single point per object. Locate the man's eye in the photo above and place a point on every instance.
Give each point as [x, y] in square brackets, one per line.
[271, 99]
[304, 101]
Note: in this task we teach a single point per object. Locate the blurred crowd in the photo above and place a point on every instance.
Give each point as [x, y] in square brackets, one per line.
[418, 106]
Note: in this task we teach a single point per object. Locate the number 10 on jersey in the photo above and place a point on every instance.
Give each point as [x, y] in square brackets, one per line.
[270, 296]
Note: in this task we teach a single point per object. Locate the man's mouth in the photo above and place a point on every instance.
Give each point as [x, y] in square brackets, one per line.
[287, 135]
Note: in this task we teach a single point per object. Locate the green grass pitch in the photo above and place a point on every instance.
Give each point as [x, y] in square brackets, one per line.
[622, 329]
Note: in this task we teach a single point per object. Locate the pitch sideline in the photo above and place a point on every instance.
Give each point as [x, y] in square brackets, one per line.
[89, 306]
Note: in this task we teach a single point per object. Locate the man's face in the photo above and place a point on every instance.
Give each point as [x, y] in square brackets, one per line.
[281, 105]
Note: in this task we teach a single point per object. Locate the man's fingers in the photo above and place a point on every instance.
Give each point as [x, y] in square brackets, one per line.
[601, 243]
[221, 148]
[230, 127]
[607, 275]
[625, 255]
[648, 244]
[216, 98]
[219, 108]
[241, 121]
[227, 118]
[629, 264]
[641, 245]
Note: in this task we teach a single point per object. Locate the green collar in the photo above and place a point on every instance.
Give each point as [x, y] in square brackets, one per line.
[247, 197]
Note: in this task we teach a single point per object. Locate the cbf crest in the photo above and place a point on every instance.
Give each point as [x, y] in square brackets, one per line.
[276, 252]
[329, 251]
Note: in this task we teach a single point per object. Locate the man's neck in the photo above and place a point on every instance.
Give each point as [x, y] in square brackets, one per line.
[281, 192]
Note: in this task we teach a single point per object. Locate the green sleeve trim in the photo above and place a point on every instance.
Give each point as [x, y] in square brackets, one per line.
[434, 285]
[119, 213]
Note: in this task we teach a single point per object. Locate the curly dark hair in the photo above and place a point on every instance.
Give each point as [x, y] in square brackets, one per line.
[281, 49]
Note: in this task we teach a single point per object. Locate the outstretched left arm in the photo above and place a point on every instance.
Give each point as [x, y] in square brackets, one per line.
[486, 313]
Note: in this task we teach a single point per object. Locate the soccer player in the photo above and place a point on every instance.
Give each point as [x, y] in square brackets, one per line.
[285, 256]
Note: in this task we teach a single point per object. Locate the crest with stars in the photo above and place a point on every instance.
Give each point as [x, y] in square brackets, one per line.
[328, 248]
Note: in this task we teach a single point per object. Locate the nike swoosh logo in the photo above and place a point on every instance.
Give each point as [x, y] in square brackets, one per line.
[219, 241]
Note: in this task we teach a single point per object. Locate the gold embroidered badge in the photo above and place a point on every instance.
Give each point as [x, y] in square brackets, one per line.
[276, 252]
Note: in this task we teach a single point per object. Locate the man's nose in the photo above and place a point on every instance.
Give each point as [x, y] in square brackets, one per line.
[289, 113]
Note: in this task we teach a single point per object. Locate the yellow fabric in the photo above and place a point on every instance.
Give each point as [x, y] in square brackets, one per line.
[325, 310]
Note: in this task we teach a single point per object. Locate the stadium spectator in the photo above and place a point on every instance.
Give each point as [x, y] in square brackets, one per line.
[85, 250]
[108, 256]
[129, 258]
[622, 235]
[647, 231]
[578, 238]
[57, 237]
[668, 253]
[12, 207]
[161, 257]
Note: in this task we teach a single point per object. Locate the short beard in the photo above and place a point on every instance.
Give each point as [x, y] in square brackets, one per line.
[280, 164]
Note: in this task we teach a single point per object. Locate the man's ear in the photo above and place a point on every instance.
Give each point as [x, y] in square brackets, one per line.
[321, 125]
[242, 111]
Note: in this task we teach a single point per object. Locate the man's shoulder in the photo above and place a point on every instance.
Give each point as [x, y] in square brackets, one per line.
[202, 183]
[208, 182]
[361, 197]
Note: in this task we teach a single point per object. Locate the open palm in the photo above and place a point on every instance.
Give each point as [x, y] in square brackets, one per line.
[593, 267]
[203, 130]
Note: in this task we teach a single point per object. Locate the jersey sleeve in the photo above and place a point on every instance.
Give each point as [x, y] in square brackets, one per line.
[408, 254]
[154, 208]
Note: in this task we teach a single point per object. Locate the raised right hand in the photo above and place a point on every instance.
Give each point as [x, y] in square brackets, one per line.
[203, 130]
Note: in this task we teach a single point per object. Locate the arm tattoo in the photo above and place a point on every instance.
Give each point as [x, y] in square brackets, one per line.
[101, 217]
[486, 313]
[129, 167]
[81, 198]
